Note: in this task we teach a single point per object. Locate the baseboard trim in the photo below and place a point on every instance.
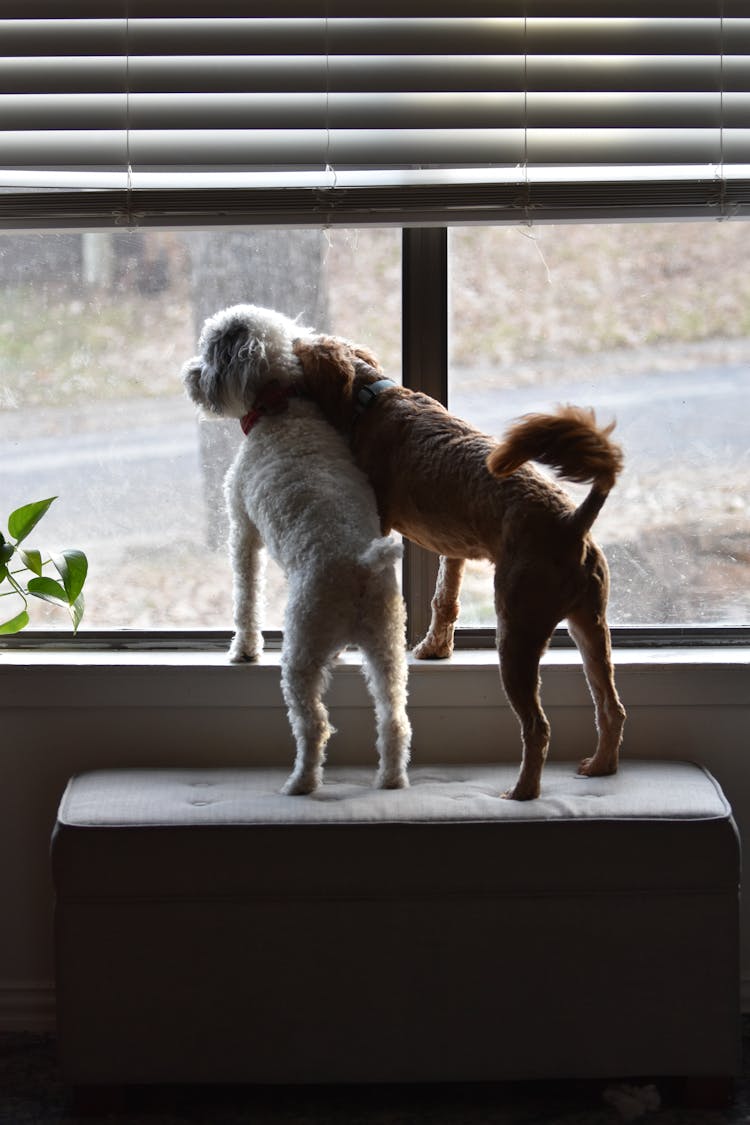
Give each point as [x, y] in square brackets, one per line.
[27, 1006]
[30, 1006]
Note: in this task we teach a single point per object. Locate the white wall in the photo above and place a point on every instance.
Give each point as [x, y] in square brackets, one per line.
[62, 712]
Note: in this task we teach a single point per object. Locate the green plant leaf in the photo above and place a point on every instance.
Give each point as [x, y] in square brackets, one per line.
[48, 590]
[6, 552]
[76, 612]
[3, 572]
[15, 625]
[72, 567]
[32, 560]
[25, 519]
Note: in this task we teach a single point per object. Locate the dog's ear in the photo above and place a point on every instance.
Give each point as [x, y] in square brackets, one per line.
[368, 358]
[234, 353]
[328, 376]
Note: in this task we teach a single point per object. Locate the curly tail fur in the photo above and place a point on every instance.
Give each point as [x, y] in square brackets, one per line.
[572, 444]
[381, 554]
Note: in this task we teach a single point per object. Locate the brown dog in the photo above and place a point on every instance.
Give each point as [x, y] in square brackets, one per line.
[448, 487]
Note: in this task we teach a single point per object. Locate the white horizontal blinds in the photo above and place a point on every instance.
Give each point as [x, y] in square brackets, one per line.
[660, 91]
[63, 99]
[354, 94]
[348, 110]
[265, 94]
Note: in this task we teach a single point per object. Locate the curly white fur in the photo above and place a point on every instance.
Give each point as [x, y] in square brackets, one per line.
[294, 488]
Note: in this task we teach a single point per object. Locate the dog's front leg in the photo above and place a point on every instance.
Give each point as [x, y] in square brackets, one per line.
[438, 642]
[248, 559]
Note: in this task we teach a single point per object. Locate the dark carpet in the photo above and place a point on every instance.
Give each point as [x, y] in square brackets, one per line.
[32, 1091]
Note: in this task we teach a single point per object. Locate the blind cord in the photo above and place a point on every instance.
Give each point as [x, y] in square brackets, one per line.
[330, 169]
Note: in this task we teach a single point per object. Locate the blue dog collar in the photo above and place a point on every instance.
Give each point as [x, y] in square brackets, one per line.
[370, 392]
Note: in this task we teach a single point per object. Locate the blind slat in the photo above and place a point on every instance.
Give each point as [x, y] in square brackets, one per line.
[407, 36]
[572, 74]
[372, 9]
[374, 112]
[314, 148]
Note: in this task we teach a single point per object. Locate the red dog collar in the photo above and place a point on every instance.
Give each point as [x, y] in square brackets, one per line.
[271, 399]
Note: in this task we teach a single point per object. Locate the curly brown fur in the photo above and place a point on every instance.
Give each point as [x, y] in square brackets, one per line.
[569, 441]
[450, 488]
[572, 444]
[329, 363]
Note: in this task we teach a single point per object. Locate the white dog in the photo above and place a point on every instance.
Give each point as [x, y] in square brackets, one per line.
[294, 488]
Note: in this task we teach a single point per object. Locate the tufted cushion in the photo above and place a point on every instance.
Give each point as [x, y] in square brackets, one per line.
[219, 831]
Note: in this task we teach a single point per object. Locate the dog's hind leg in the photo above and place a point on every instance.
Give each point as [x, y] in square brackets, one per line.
[386, 673]
[588, 628]
[309, 645]
[438, 641]
[304, 679]
[520, 647]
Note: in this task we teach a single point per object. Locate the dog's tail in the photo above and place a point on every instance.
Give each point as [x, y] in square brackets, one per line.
[381, 554]
[572, 444]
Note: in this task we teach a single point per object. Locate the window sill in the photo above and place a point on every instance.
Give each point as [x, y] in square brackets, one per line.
[76, 676]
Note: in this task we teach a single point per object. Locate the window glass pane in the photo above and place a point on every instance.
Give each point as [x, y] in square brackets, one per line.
[93, 332]
[650, 325]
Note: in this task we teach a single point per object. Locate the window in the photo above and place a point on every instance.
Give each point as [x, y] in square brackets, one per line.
[95, 329]
[649, 324]
[97, 326]
[559, 149]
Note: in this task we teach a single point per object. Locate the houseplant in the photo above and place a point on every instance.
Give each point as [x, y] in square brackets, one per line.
[22, 571]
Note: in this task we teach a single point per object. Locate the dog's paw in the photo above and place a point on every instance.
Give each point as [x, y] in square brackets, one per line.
[398, 780]
[239, 656]
[590, 767]
[433, 649]
[521, 792]
[245, 650]
[301, 784]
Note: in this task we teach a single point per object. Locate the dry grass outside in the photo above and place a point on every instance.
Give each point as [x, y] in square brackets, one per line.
[74, 351]
[557, 294]
[526, 307]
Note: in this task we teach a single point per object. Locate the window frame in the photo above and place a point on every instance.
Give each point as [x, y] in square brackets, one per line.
[425, 283]
[557, 166]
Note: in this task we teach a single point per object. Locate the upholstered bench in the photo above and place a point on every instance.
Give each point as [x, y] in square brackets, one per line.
[210, 929]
